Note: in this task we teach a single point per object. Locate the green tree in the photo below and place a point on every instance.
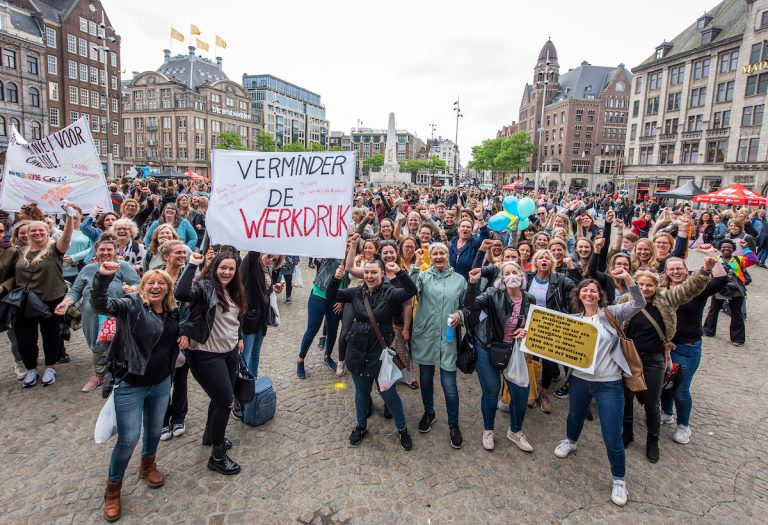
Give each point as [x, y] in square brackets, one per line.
[502, 154]
[293, 147]
[412, 166]
[335, 148]
[435, 164]
[374, 162]
[265, 142]
[230, 140]
[316, 146]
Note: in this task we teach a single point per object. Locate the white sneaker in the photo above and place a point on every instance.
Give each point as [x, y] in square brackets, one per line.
[340, 369]
[166, 434]
[519, 439]
[667, 419]
[619, 493]
[682, 435]
[564, 448]
[488, 440]
[178, 430]
[30, 379]
[504, 407]
[49, 376]
[20, 370]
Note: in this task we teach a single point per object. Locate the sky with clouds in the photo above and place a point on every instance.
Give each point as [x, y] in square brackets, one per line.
[413, 57]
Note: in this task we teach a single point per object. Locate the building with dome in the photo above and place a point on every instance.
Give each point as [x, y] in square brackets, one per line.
[582, 129]
[172, 117]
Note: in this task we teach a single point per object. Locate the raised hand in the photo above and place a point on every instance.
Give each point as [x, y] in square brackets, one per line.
[109, 268]
[474, 275]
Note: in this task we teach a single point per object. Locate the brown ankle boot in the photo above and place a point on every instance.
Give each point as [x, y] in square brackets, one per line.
[148, 470]
[546, 404]
[112, 508]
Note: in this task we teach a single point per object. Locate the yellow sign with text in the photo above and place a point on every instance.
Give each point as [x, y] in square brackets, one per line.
[561, 338]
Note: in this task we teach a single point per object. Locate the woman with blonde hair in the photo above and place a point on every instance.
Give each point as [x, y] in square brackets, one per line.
[39, 268]
[644, 256]
[141, 358]
[128, 249]
[164, 232]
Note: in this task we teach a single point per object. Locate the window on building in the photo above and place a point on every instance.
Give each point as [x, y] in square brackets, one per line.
[698, 97]
[729, 61]
[676, 75]
[83, 25]
[689, 153]
[92, 28]
[654, 80]
[725, 91]
[758, 52]
[9, 58]
[670, 126]
[83, 73]
[701, 69]
[721, 119]
[695, 123]
[82, 47]
[32, 67]
[181, 122]
[53, 117]
[633, 132]
[716, 150]
[667, 154]
[591, 116]
[73, 95]
[199, 123]
[638, 85]
[72, 67]
[50, 37]
[116, 150]
[53, 65]
[649, 129]
[652, 106]
[579, 115]
[37, 130]
[646, 155]
[757, 85]
[95, 100]
[72, 44]
[73, 116]
[747, 150]
[752, 115]
[94, 78]
[84, 97]
[95, 123]
[33, 96]
[11, 93]
[764, 19]
[113, 59]
[3, 130]
[636, 108]
[53, 91]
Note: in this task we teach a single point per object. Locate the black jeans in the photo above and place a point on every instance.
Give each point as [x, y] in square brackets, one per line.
[216, 373]
[735, 304]
[177, 408]
[653, 372]
[26, 337]
[288, 283]
[547, 373]
[347, 318]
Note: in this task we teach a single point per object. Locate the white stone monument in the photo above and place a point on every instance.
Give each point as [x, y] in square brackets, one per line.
[390, 173]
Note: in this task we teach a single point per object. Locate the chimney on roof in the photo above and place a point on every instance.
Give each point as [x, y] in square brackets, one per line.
[135, 74]
[191, 50]
[166, 55]
[218, 62]
[585, 63]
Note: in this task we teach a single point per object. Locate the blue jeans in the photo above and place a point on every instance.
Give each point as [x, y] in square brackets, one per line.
[688, 356]
[363, 386]
[132, 405]
[490, 383]
[317, 309]
[451, 392]
[609, 397]
[252, 350]
[762, 256]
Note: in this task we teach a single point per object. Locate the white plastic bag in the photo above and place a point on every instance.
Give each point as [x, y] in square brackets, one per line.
[389, 374]
[517, 369]
[106, 424]
[275, 309]
[297, 282]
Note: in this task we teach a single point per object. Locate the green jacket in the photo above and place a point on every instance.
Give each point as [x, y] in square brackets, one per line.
[440, 294]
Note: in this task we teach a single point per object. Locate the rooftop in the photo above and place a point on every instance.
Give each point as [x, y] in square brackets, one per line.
[586, 81]
[192, 70]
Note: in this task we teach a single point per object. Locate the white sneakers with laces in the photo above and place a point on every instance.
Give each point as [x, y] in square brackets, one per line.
[519, 439]
[30, 379]
[682, 435]
[49, 376]
[488, 440]
[619, 493]
[667, 419]
[565, 447]
[340, 369]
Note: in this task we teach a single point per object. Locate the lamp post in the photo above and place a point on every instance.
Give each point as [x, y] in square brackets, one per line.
[457, 109]
[103, 48]
[541, 125]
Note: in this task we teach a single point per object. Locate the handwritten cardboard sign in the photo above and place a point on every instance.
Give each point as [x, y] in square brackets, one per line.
[287, 203]
[561, 338]
[61, 166]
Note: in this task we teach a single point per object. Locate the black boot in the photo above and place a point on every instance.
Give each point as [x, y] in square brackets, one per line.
[207, 440]
[652, 449]
[627, 434]
[221, 463]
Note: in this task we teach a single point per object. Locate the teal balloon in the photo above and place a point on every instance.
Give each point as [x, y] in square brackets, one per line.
[510, 205]
[498, 222]
[526, 207]
[524, 222]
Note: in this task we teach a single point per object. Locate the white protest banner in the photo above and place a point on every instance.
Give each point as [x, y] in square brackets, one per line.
[561, 338]
[286, 203]
[61, 166]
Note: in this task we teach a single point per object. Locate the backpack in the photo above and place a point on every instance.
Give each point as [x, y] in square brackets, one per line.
[264, 403]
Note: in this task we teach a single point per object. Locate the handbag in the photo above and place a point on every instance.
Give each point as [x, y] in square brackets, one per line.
[466, 359]
[107, 329]
[245, 384]
[386, 351]
[635, 383]
[499, 354]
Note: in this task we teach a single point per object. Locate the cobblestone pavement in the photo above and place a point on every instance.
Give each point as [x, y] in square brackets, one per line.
[299, 467]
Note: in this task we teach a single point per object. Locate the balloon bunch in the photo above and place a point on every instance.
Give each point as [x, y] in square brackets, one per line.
[514, 211]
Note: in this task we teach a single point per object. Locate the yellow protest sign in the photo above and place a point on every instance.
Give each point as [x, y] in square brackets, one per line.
[561, 338]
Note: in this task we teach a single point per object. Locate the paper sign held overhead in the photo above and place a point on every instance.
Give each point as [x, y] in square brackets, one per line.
[62, 166]
[289, 203]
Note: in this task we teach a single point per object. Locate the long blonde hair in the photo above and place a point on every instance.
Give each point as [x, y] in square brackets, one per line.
[653, 262]
[169, 301]
[44, 252]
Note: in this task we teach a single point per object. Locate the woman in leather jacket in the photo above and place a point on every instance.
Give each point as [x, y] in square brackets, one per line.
[506, 306]
[214, 336]
[142, 357]
[363, 348]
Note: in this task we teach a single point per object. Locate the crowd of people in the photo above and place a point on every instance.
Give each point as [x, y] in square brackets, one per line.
[422, 274]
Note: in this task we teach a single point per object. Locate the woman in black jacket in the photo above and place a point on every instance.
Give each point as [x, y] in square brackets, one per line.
[506, 306]
[214, 336]
[363, 349]
[142, 366]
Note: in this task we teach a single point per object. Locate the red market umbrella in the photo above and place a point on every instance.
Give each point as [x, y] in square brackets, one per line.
[514, 185]
[195, 176]
[733, 194]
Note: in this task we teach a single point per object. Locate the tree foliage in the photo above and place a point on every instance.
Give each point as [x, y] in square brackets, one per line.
[502, 154]
[374, 162]
[230, 140]
[265, 142]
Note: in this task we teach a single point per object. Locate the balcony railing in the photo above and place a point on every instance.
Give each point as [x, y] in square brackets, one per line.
[691, 135]
[718, 132]
[668, 137]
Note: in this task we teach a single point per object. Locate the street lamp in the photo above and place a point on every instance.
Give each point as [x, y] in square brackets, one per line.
[457, 109]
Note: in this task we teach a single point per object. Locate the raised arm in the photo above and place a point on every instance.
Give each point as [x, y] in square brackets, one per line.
[186, 289]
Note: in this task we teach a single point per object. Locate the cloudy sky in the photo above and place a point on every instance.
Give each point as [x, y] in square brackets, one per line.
[412, 57]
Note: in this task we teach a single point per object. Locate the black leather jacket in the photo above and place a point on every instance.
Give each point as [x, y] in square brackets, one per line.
[138, 328]
[558, 292]
[498, 306]
[202, 297]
